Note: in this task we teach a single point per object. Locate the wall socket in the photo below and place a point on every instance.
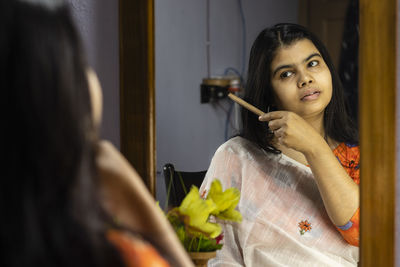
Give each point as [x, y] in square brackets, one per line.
[212, 93]
[215, 88]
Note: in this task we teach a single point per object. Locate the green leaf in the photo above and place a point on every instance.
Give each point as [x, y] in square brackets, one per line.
[202, 245]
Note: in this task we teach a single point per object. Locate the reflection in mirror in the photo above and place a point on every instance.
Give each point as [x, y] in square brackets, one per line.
[196, 40]
[189, 132]
[336, 23]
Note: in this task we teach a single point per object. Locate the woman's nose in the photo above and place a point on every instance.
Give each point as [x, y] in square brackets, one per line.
[304, 79]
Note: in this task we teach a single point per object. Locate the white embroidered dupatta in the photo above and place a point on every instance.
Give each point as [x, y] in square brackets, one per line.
[277, 193]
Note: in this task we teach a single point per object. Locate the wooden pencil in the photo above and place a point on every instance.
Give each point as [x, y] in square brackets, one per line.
[245, 104]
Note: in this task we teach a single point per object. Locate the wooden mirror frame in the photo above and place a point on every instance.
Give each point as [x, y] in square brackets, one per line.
[137, 87]
[377, 80]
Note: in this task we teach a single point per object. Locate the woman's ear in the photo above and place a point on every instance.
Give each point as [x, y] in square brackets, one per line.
[96, 96]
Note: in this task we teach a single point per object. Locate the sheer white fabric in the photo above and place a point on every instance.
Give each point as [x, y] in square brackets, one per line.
[277, 193]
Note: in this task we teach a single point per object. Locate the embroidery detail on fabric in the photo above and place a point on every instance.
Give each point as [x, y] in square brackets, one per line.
[347, 156]
[347, 226]
[351, 145]
[304, 226]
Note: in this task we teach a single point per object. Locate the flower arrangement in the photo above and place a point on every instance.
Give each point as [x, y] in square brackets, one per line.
[194, 221]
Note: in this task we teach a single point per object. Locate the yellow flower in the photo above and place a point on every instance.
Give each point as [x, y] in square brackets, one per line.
[196, 211]
[226, 202]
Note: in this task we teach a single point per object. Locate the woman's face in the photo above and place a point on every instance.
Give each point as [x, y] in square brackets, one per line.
[300, 79]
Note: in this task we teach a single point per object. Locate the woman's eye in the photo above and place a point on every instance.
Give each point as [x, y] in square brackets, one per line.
[313, 63]
[286, 74]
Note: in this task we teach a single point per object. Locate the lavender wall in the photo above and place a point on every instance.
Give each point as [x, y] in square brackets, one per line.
[188, 133]
[97, 21]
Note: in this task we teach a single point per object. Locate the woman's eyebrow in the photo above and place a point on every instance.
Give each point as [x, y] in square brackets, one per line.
[311, 56]
[291, 65]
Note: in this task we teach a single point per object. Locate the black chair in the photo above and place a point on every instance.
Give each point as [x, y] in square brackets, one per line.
[178, 183]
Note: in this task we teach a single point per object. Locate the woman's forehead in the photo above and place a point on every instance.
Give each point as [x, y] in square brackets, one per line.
[294, 53]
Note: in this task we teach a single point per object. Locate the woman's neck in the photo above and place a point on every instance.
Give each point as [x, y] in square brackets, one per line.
[317, 122]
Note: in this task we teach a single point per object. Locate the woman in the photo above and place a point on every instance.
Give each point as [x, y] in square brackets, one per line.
[297, 166]
[67, 198]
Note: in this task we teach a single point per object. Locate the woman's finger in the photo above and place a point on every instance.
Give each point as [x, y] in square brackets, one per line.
[272, 115]
[275, 124]
[279, 133]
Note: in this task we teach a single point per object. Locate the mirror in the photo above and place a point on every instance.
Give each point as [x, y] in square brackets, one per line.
[377, 138]
[194, 40]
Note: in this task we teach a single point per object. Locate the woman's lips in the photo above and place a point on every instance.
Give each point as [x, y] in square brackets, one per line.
[311, 96]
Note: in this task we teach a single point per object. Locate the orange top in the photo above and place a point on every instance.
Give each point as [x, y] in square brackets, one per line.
[135, 252]
[349, 156]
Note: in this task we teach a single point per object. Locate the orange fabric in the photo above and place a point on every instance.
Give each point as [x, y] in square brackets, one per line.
[135, 252]
[349, 157]
[352, 235]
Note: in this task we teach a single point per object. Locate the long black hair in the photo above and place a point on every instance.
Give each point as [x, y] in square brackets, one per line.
[49, 207]
[259, 92]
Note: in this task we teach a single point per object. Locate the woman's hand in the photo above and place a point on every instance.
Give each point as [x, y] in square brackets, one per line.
[293, 131]
[127, 199]
[108, 159]
[121, 187]
[111, 163]
[338, 191]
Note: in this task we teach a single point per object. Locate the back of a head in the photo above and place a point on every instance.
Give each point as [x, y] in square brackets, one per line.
[48, 202]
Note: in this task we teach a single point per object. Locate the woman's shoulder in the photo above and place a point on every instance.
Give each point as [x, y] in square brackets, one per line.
[239, 145]
[135, 251]
[231, 157]
[241, 150]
